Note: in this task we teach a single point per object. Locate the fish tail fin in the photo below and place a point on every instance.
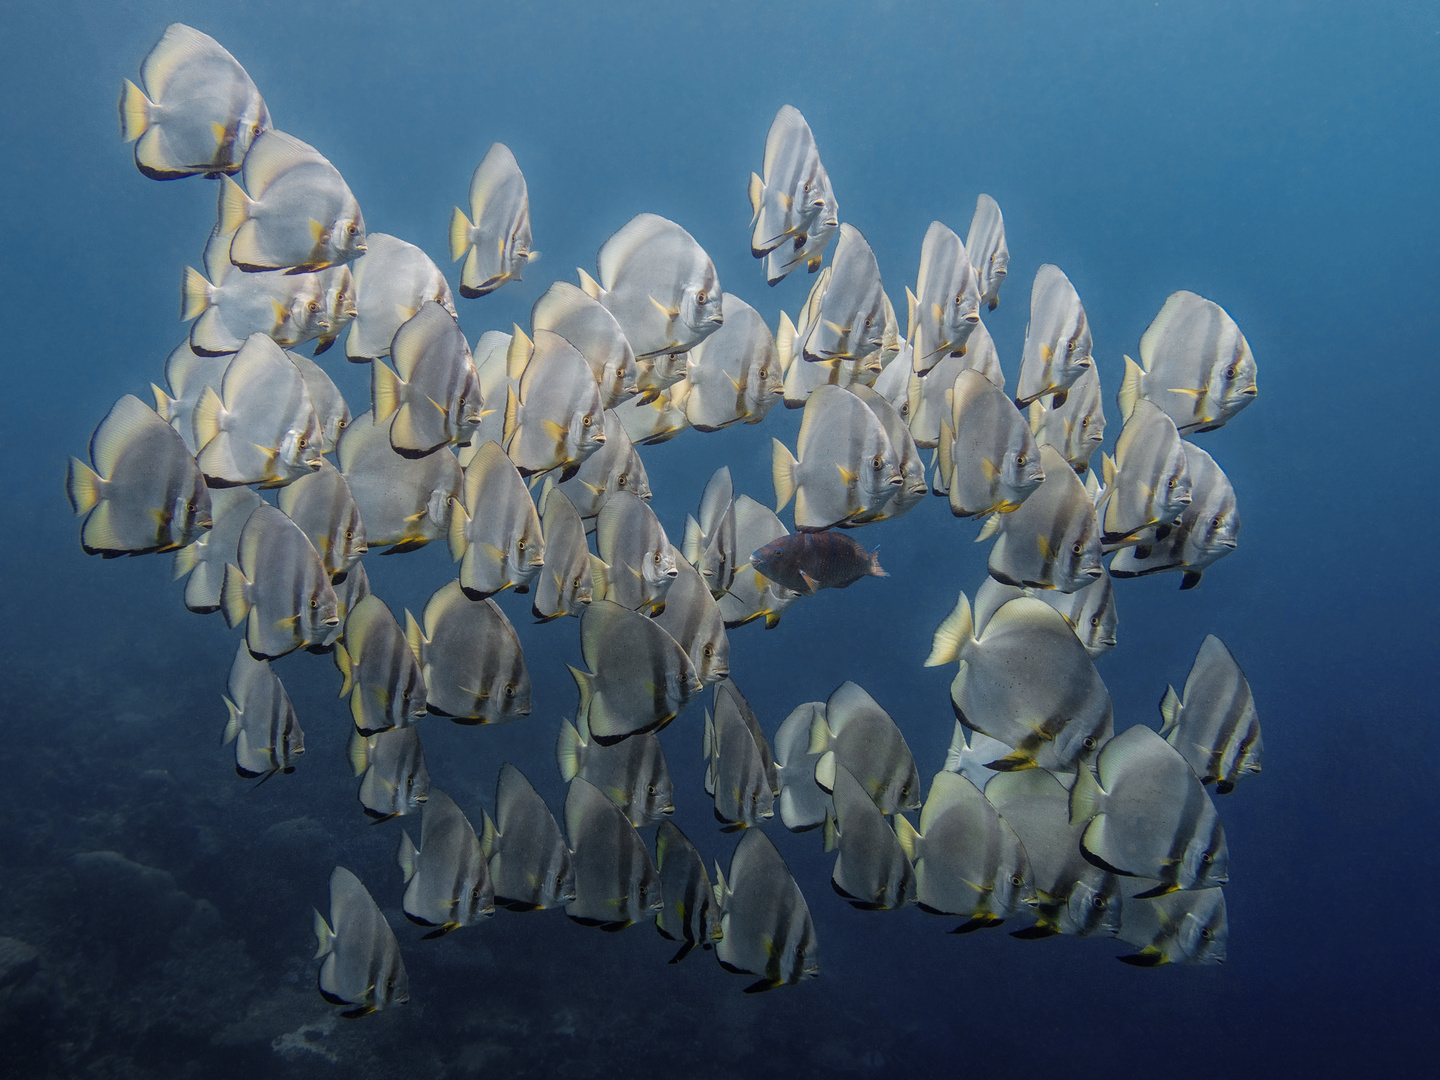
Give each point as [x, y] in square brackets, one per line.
[945, 454]
[359, 751]
[599, 577]
[1037, 416]
[186, 559]
[782, 470]
[458, 541]
[234, 207]
[956, 753]
[1169, 710]
[232, 725]
[384, 391]
[567, 751]
[163, 402]
[785, 342]
[324, 937]
[488, 834]
[234, 596]
[347, 669]
[1130, 388]
[134, 112]
[585, 683]
[875, 569]
[1086, 798]
[693, 544]
[952, 634]
[820, 735]
[415, 637]
[989, 529]
[756, 192]
[906, 834]
[207, 416]
[459, 234]
[406, 854]
[911, 304]
[83, 485]
[512, 416]
[194, 294]
[589, 285]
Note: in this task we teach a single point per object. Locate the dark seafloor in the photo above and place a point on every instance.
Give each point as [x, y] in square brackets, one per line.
[1279, 159]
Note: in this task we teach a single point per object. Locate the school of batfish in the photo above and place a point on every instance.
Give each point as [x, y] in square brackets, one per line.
[1042, 812]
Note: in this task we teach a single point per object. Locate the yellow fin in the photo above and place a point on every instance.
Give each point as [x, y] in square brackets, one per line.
[134, 112]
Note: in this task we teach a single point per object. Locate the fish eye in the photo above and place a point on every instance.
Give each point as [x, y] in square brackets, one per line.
[587, 421]
[657, 558]
[709, 651]
[1217, 522]
[462, 400]
[349, 534]
[700, 297]
[314, 604]
[509, 690]
[312, 307]
[352, 229]
[576, 582]
[519, 545]
[878, 463]
[190, 507]
[1095, 620]
[1099, 902]
[650, 788]
[390, 983]
[620, 480]
[1088, 742]
[1020, 460]
[342, 424]
[1207, 858]
[1084, 421]
[1230, 372]
[474, 894]
[1016, 880]
[303, 442]
[1077, 548]
[764, 373]
[1170, 483]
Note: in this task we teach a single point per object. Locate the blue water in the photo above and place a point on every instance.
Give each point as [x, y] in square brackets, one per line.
[1278, 159]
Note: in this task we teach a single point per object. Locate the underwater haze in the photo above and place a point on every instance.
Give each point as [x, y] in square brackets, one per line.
[1278, 159]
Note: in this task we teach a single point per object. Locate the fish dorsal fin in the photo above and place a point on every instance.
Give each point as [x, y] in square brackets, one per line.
[127, 421]
[496, 169]
[947, 791]
[271, 155]
[616, 252]
[179, 45]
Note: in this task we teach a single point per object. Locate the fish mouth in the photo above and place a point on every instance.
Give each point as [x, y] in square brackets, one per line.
[1250, 391]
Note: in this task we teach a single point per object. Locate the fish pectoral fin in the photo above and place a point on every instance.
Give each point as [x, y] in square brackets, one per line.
[669, 313]
[846, 476]
[1047, 353]
[810, 582]
[990, 469]
[1185, 390]
[1047, 549]
[558, 432]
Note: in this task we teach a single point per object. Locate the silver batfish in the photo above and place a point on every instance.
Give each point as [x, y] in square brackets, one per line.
[496, 245]
[198, 113]
[144, 493]
[298, 215]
